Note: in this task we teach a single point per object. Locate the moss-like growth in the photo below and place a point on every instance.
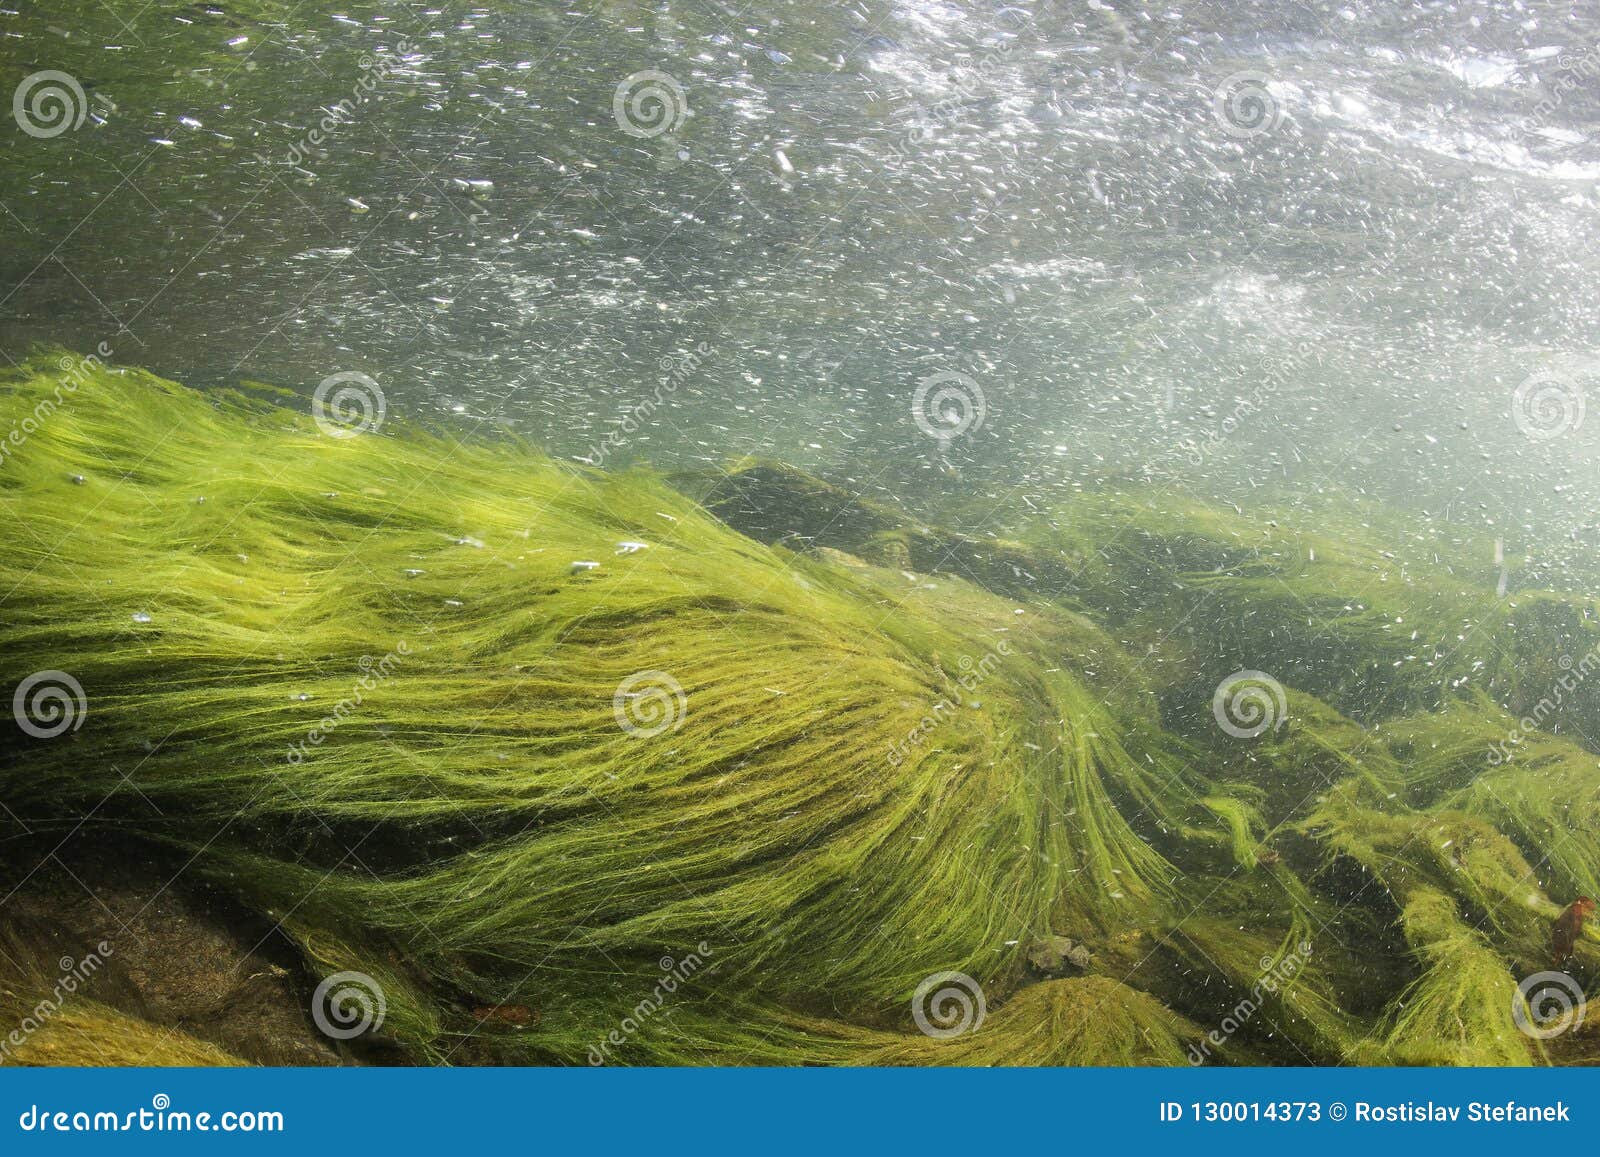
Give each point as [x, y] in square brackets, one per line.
[1091, 1021]
[91, 1035]
[362, 682]
[1457, 1011]
[575, 772]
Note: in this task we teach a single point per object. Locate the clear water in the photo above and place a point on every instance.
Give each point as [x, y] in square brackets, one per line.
[1227, 246]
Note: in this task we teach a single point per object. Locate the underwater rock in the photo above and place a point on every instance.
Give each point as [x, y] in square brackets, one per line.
[773, 503]
[842, 558]
[154, 971]
[781, 505]
[1058, 954]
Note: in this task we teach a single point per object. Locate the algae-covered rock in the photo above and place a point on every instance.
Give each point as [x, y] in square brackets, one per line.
[775, 503]
[778, 504]
[1058, 954]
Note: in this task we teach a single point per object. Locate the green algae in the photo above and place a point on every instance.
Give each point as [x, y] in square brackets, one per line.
[360, 679]
[360, 685]
[1455, 1013]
